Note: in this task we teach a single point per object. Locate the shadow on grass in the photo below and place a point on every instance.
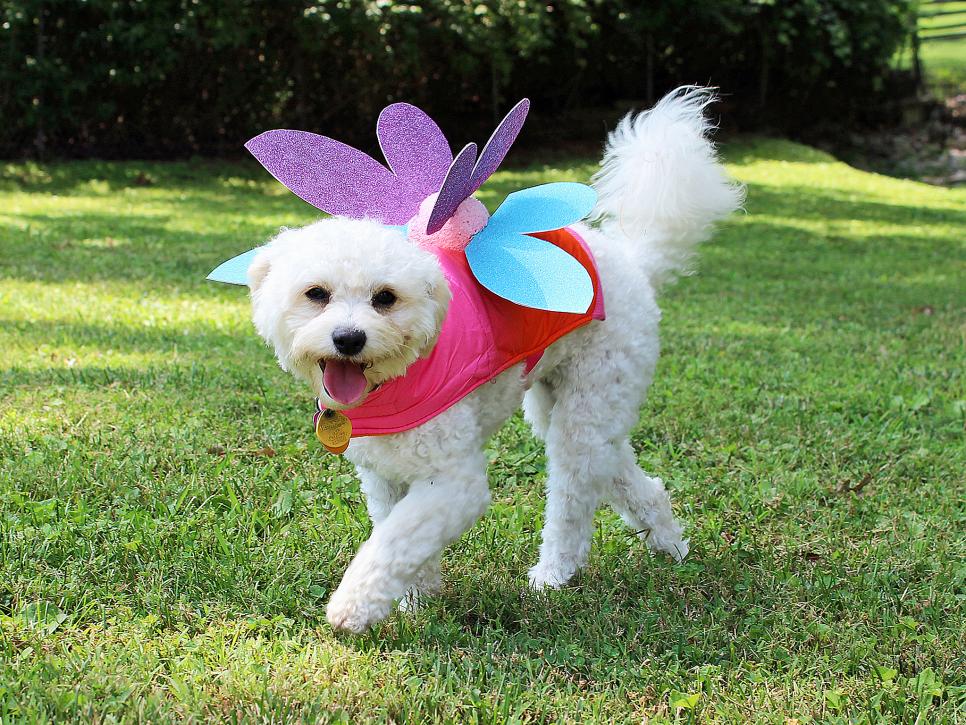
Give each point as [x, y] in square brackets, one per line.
[717, 610]
[95, 247]
[158, 377]
[202, 176]
[194, 357]
[119, 337]
[106, 177]
[805, 202]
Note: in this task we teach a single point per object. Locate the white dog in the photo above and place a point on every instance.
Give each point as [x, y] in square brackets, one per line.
[660, 190]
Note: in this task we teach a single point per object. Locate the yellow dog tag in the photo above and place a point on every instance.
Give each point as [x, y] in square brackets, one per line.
[333, 430]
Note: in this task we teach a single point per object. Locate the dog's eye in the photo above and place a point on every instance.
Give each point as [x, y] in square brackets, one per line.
[317, 294]
[384, 298]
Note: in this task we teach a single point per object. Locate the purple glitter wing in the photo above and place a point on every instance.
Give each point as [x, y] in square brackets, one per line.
[414, 147]
[334, 177]
[499, 144]
[464, 177]
[455, 189]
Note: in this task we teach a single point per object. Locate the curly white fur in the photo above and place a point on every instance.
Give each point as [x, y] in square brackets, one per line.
[661, 190]
[660, 183]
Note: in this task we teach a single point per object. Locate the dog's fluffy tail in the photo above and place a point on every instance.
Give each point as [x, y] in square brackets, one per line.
[661, 185]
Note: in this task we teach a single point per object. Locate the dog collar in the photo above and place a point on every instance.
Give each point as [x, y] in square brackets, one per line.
[332, 427]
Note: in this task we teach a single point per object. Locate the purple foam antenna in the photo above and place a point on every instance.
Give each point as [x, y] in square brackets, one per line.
[455, 189]
[463, 179]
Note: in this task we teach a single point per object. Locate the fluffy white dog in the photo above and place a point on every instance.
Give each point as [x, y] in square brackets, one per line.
[660, 190]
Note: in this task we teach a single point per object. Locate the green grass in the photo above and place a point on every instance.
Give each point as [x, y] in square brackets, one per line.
[157, 563]
[943, 60]
[941, 18]
[944, 64]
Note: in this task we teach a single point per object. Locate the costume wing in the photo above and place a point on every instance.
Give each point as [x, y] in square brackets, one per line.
[499, 144]
[414, 146]
[235, 270]
[466, 175]
[334, 177]
[455, 189]
[530, 271]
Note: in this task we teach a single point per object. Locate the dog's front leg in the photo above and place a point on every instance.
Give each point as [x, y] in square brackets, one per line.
[381, 496]
[433, 514]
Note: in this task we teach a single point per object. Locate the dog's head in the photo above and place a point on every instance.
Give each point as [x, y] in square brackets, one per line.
[347, 305]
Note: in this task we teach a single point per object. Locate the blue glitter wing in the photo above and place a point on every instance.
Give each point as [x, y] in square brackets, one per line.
[235, 270]
[530, 271]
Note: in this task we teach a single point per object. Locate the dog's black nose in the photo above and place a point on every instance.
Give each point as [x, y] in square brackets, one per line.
[349, 341]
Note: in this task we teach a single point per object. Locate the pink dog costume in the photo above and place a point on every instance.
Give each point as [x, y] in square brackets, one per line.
[520, 280]
[482, 336]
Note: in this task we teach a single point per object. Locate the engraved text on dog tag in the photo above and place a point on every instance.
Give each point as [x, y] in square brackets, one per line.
[333, 430]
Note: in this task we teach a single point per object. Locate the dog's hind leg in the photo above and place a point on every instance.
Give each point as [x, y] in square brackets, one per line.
[537, 405]
[644, 505]
[573, 493]
[595, 396]
[581, 463]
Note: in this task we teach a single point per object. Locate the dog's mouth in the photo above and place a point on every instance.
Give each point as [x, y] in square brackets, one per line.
[344, 380]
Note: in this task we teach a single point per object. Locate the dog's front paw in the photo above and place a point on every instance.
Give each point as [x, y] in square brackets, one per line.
[350, 613]
[549, 575]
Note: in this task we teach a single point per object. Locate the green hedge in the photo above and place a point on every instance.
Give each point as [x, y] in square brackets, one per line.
[163, 77]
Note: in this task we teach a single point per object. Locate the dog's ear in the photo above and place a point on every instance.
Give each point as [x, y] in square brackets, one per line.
[439, 293]
[264, 314]
[258, 269]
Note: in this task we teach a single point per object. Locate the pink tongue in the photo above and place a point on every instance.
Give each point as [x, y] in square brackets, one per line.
[344, 381]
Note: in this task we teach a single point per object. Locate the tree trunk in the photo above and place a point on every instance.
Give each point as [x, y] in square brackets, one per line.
[40, 138]
[916, 63]
[764, 70]
[649, 40]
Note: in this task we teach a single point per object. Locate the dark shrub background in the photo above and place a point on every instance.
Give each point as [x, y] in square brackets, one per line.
[181, 77]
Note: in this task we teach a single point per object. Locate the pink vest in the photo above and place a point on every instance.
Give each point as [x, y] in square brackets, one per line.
[482, 336]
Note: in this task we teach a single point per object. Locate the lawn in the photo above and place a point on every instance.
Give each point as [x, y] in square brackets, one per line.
[943, 54]
[944, 63]
[170, 529]
[943, 57]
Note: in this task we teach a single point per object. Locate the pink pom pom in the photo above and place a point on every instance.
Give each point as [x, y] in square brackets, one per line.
[470, 217]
